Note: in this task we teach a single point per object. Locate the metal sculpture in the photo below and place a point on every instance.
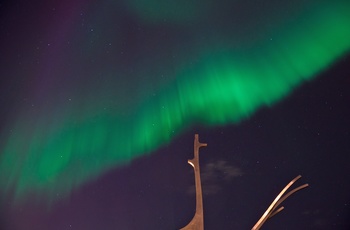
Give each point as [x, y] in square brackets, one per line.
[197, 222]
[271, 211]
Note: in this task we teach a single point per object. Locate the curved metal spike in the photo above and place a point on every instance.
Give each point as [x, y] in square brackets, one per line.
[270, 212]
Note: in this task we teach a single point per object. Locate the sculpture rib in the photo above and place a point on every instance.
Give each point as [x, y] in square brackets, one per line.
[278, 200]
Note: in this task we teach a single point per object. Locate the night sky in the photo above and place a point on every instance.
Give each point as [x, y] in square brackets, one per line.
[100, 101]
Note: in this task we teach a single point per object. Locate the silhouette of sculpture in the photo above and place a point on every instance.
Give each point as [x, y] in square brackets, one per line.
[197, 222]
[270, 212]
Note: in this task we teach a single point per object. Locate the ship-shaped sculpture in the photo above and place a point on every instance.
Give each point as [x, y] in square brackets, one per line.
[197, 222]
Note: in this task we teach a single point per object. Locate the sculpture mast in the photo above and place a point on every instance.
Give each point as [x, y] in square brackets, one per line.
[197, 222]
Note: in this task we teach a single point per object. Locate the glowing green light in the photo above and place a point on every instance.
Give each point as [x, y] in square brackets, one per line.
[47, 154]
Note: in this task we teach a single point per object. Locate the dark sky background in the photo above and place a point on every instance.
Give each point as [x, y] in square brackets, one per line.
[244, 166]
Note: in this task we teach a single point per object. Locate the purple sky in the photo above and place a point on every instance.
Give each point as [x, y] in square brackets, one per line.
[243, 168]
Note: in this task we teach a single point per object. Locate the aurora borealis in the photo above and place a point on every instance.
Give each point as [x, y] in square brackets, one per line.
[99, 102]
[103, 96]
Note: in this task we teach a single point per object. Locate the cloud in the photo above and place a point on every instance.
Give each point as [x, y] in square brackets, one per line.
[214, 175]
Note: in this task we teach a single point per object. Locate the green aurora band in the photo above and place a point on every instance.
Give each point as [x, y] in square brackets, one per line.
[224, 86]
